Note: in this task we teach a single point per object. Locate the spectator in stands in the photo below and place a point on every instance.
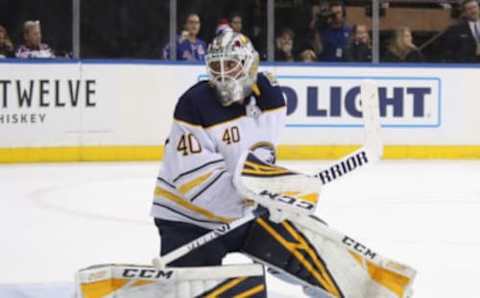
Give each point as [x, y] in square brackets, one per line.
[312, 41]
[235, 22]
[401, 48]
[257, 30]
[360, 47]
[461, 42]
[6, 45]
[319, 8]
[284, 46]
[334, 32]
[189, 46]
[33, 46]
[308, 55]
[222, 26]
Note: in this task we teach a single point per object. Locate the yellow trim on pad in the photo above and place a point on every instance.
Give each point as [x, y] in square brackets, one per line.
[102, 288]
[317, 269]
[232, 283]
[286, 152]
[251, 292]
[391, 280]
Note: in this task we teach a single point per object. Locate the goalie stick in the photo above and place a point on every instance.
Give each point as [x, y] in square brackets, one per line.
[370, 152]
[163, 261]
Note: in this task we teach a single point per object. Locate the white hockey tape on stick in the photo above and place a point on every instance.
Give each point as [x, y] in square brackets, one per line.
[372, 150]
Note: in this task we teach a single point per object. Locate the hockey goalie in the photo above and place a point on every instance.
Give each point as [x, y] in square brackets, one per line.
[220, 191]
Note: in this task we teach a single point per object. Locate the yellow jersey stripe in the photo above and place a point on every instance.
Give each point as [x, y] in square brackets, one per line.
[180, 201]
[186, 187]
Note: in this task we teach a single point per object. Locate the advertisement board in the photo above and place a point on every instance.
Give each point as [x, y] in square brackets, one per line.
[104, 110]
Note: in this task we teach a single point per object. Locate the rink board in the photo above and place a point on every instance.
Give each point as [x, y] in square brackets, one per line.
[122, 110]
[299, 152]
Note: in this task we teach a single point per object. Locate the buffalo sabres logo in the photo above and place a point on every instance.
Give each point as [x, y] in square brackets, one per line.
[264, 151]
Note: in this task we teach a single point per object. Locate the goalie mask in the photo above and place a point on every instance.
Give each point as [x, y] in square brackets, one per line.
[232, 65]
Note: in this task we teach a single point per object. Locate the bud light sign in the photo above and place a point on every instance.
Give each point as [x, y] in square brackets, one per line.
[321, 101]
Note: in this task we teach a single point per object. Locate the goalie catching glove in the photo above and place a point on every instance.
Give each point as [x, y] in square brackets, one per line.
[285, 193]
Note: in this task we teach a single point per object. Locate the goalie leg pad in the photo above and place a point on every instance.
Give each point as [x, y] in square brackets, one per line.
[284, 247]
[133, 281]
[326, 264]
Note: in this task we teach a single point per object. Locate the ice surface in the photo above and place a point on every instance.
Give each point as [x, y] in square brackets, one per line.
[58, 218]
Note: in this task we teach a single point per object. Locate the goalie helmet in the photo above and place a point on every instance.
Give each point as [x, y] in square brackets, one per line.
[232, 65]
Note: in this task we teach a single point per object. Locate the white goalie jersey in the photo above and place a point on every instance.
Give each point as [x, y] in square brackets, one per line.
[205, 142]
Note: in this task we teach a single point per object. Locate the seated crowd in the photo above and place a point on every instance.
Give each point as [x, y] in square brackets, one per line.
[31, 47]
[329, 38]
[326, 37]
